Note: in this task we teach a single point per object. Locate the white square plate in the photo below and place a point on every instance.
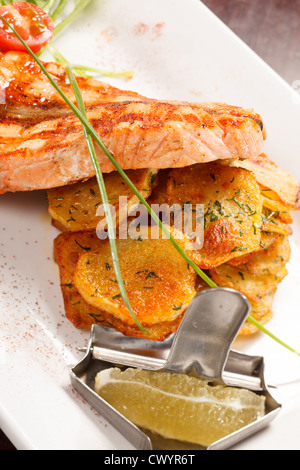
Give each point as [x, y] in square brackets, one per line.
[178, 50]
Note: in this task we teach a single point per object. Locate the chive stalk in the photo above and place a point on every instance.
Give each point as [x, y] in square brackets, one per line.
[83, 71]
[93, 134]
[105, 201]
[55, 14]
[79, 7]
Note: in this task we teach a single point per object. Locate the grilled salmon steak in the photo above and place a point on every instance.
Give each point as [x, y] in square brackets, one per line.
[42, 143]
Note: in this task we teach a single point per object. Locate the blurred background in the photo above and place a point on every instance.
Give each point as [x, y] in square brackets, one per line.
[271, 28]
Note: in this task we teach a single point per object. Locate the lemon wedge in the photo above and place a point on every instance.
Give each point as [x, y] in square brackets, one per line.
[177, 406]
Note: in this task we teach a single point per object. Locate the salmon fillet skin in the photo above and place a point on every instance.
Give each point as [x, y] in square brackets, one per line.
[42, 144]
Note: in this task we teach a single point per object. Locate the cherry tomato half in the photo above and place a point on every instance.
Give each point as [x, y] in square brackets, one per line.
[30, 22]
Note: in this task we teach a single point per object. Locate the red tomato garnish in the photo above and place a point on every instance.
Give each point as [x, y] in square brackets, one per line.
[30, 22]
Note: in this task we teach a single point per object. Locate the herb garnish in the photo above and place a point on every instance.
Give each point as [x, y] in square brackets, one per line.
[152, 275]
[178, 307]
[85, 248]
[70, 286]
[238, 248]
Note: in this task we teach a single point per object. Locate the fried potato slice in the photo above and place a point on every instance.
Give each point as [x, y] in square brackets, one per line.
[261, 311]
[232, 209]
[267, 239]
[158, 282]
[252, 286]
[271, 223]
[74, 207]
[279, 209]
[67, 249]
[259, 289]
[271, 177]
[269, 261]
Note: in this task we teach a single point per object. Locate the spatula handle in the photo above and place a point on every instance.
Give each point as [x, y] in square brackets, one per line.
[203, 341]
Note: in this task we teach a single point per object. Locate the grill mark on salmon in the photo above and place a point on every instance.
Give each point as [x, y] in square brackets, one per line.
[42, 144]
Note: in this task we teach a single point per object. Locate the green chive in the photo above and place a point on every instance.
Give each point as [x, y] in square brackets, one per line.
[83, 71]
[79, 7]
[101, 183]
